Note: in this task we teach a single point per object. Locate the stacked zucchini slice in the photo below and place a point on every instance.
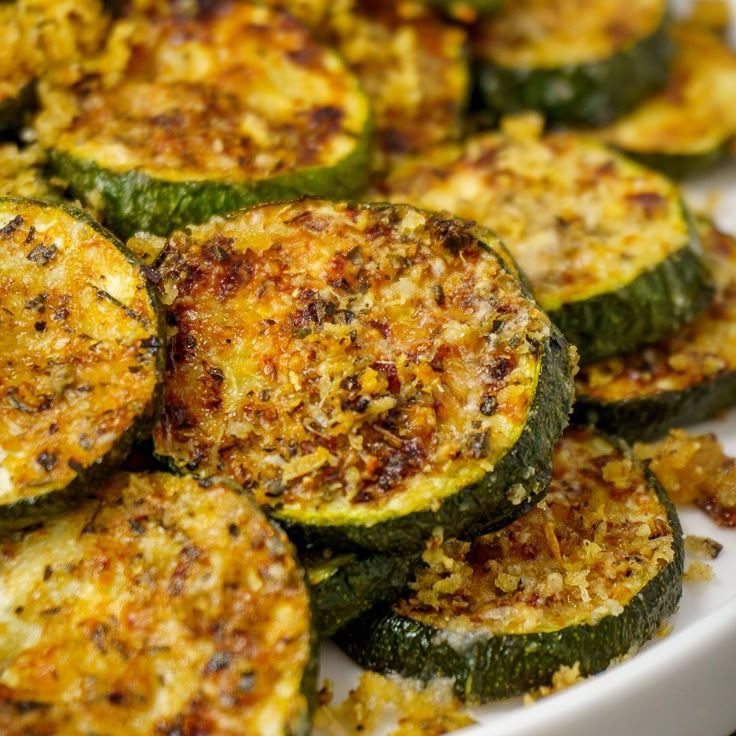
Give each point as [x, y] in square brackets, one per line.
[349, 327]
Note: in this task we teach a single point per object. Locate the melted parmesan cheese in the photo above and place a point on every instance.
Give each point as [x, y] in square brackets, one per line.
[702, 351]
[344, 362]
[557, 33]
[579, 219]
[243, 93]
[598, 538]
[78, 347]
[158, 607]
[693, 113]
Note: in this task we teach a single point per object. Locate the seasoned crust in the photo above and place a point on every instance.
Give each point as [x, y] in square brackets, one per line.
[241, 93]
[79, 345]
[160, 606]
[345, 363]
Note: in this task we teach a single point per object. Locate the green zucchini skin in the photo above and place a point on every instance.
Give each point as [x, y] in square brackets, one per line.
[645, 394]
[31, 508]
[652, 306]
[483, 506]
[682, 165]
[356, 585]
[649, 417]
[592, 93]
[485, 668]
[132, 201]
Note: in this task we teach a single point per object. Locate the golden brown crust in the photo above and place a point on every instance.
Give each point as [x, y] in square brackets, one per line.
[243, 92]
[160, 607]
[79, 347]
[544, 33]
[600, 535]
[700, 352]
[341, 360]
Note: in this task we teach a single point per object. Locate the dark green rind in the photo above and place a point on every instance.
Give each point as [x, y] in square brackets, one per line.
[487, 668]
[482, 506]
[357, 585]
[592, 93]
[26, 511]
[650, 416]
[131, 201]
[652, 306]
[681, 165]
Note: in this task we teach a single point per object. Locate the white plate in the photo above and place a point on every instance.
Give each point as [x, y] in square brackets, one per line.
[681, 685]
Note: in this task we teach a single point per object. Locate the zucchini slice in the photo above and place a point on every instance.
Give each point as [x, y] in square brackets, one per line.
[231, 108]
[346, 585]
[367, 372]
[584, 578]
[687, 126]
[412, 64]
[570, 60]
[605, 243]
[160, 606]
[680, 380]
[81, 354]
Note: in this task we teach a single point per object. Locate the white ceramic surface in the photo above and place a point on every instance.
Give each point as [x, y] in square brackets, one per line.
[681, 685]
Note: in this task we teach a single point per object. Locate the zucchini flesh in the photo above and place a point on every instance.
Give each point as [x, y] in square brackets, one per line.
[81, 354]
[680, 380]
[571, 61]
[685, 127]
[367, 372]
[605, 243]
[160, 606]
[234, 107]
[583, 578]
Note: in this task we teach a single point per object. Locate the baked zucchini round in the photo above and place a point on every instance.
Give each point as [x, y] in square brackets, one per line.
[160, 606]
[573, 61]
[584, 578]
[680, 380]
[606, 244]
[234, 107]
[81, 354]
[686, 127]
[366, 372]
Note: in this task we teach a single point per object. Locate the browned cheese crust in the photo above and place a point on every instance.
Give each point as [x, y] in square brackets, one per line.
[340, 359]
[701, 352]
[600, 535]
[160, 607]
[242, 92]
[78, 347]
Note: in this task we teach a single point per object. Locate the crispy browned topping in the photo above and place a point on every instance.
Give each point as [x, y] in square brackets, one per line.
[161, 607]
[601, 534]
[336, 357]
[694, 469]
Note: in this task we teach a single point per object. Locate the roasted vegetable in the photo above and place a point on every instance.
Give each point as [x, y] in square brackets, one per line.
[605, 243]
[687, 126]
[680, 380]
[366, 372]
[583, 579]
[570, 60]
[236, 106]
[159, 606]
[81, 354]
